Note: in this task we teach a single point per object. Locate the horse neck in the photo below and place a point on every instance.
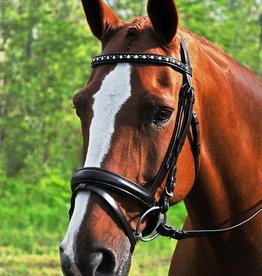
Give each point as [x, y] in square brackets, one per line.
[228, 103]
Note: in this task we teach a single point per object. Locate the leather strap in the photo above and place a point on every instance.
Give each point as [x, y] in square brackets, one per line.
[196, 144]
[181, 130]
[126, 225]
[142, 58]
[110, 181]
[107, 181]
[173, 233]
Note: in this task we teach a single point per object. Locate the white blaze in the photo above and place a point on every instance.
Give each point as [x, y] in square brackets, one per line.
[81, 202]
[113, 93]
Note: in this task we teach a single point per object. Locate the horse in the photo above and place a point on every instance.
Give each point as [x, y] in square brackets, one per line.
[166, 116]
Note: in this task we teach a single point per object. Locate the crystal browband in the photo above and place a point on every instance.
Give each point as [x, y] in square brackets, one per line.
[141, 58]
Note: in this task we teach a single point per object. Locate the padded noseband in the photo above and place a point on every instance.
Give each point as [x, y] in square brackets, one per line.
[110, 181]
[101, 182]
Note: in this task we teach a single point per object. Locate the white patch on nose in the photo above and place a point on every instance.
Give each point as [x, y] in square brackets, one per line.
[68, 244]
[113, 93]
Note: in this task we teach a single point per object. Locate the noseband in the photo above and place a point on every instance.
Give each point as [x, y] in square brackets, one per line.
[103, 182]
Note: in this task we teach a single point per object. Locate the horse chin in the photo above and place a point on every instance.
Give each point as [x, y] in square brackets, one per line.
[124, 266]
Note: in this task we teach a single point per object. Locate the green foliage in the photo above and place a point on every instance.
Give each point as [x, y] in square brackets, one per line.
[233, 25]
[45, 59]
[32, 214]
[127, 9]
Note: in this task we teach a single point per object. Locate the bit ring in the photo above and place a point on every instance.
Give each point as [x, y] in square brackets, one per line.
[138, 233]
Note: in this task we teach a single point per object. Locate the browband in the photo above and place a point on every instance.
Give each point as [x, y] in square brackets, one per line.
[142, 58]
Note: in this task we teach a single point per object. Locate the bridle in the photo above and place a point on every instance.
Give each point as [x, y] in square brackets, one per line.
[103, 182]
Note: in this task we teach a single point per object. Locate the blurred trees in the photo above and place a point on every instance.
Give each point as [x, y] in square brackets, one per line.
[45, 51]
[45, 48]
[233, 25]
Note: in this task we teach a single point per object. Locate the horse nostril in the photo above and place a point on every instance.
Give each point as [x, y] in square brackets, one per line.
[103, 261]
[65, 262]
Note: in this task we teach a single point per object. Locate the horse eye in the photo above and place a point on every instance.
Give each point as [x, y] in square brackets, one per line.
[162, 115]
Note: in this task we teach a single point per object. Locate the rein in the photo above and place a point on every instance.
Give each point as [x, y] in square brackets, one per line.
[102, 182]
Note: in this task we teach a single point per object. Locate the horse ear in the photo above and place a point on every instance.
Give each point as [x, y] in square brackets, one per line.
[100, 17]
[164, 18]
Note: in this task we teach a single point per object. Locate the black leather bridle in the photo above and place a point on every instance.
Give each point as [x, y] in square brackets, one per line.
[103, 182]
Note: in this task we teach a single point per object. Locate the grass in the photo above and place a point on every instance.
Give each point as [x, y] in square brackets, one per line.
[152, 259]
[37, 254]
[146, 261]
[34, 221]
[13, 262]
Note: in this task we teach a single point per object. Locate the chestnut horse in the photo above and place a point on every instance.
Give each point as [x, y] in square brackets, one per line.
[128, 113]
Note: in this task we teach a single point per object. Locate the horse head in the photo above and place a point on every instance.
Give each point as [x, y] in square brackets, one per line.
[128, 114]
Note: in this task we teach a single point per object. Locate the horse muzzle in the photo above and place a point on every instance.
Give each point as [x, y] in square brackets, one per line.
[101, 261]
